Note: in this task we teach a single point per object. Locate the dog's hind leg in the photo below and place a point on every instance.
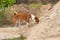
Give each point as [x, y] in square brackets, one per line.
[15, 22]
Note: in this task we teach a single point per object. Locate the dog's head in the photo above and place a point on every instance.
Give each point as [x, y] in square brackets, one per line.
[37, 19]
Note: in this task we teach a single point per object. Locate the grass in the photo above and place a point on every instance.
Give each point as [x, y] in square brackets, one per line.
[18, 38]
[3, 19]
[35, 5]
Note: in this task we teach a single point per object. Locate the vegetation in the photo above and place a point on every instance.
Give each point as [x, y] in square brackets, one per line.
[34, 5]
[6, 3]
[37, 5]
[19, 38]
[3, 5]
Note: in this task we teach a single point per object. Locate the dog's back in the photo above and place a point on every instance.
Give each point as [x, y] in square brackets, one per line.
[22, 16]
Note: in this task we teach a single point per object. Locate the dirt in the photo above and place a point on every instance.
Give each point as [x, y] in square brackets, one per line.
[47, 29]
[49, 26]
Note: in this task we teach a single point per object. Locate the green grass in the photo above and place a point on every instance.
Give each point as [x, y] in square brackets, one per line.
[3, 19]
[35, 5]
[18, 38]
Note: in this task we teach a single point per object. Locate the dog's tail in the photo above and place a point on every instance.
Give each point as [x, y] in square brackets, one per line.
[36, 19]
[14, 11]
[15, 14]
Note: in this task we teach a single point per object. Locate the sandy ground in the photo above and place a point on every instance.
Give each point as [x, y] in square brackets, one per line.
[8, 33]
[47, 29]
[49, 26]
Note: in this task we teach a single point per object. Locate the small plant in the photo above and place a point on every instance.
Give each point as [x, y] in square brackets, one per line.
[4, 4]
[18, 38]
[34, 5]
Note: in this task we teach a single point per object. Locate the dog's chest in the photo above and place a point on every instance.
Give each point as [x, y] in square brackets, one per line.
[32, 17]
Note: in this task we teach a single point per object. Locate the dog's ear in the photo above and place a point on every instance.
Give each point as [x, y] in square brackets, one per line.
[36, 19]
[15, 13]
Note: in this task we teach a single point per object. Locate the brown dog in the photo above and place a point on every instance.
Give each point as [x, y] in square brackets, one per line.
[25, 17]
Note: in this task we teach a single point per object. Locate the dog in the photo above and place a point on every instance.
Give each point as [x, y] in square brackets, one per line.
[26, 17]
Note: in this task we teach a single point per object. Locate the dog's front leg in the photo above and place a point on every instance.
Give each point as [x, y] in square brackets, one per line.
[15, 22]
[19, 23]
[27, 25]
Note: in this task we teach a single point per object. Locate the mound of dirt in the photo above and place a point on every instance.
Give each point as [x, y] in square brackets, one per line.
[49, 26]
